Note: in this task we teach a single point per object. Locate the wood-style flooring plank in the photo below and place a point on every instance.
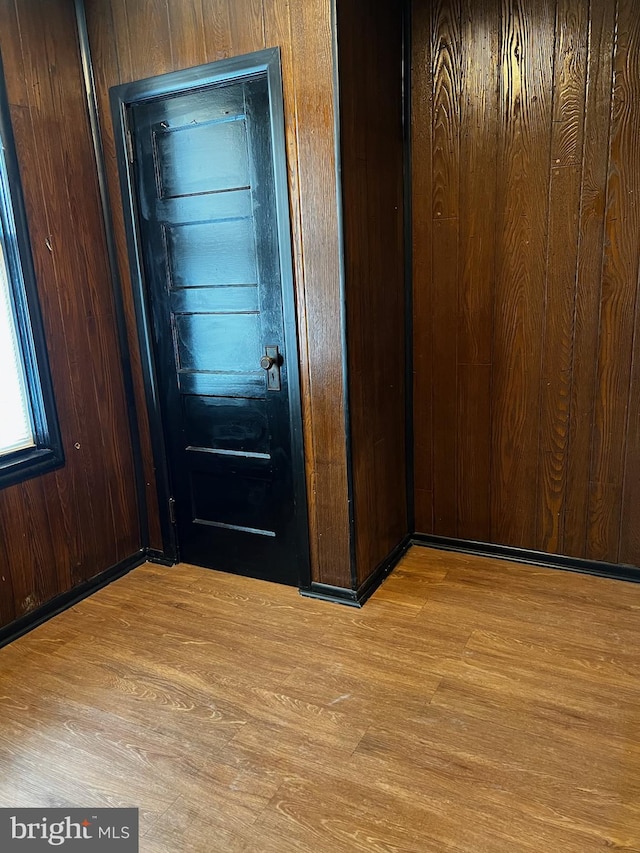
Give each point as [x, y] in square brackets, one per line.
[472, 705]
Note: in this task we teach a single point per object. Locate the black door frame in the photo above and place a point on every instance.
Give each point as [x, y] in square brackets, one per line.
[263, 62]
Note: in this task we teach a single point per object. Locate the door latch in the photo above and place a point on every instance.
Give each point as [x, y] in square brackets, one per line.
[270, 362]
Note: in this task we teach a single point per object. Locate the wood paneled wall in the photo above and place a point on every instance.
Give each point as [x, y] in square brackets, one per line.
[67, 526]
[133, 39]
[526, 231]
[372, 156]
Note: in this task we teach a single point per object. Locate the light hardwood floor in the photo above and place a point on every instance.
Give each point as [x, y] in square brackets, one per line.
[472, 705]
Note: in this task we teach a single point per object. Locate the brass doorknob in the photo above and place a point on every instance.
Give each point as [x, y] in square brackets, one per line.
[267, 362]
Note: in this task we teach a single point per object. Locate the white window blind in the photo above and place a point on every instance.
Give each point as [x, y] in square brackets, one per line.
[16, 432]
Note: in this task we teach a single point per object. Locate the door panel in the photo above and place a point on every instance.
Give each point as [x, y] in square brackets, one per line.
[206, 199]
[227, 425]
[217, 343]
[247, 502]
[203, 254]
[217, 300]
[199, 172]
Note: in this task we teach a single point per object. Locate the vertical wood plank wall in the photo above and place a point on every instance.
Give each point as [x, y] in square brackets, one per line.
[58, 530]
[133, 39]
[526, 232]
[370, 83]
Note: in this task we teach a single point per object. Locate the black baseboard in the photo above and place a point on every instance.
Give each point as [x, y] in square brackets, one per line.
[67, 599]
[334, 594]
[326, 592]
[357, 597]
[615, 571]
[371, 584]
[159, 557]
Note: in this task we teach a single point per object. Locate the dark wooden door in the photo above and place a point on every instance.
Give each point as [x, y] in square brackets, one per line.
[208, 229]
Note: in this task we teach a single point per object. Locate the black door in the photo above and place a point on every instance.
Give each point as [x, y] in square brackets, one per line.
[208, 234]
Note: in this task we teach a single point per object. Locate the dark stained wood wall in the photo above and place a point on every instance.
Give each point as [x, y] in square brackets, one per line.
[370, 82]
[67, 526]
[526, 231]
[133, 39]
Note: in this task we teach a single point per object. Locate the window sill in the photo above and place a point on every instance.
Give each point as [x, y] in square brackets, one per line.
[24, 464]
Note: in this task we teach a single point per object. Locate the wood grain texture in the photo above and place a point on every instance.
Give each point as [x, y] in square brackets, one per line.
[618, 303]
[421, 230]
[545, 265]
[595, 166]
[63, 528]
[247, 25]
[371, 145]
[562, 250]
[149, 37]
[446, 75]
[311, 40]
[186, 31]
[629, 534]
[463, 708]
[567, 130]
[473, 494]
[478, 140]
[304, 34]
[7, 596]
[73, 204]
[216, 20]
[107, 61]
[526, 96]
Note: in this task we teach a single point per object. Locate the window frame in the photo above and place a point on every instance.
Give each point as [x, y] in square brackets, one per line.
[47, 452]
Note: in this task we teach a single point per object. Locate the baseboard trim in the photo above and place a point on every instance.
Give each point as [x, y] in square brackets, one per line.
[371, 584]
[614, 571]
[334, 594]
[326, 592]
[159, 557]
[61, 602]
[357, 597]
